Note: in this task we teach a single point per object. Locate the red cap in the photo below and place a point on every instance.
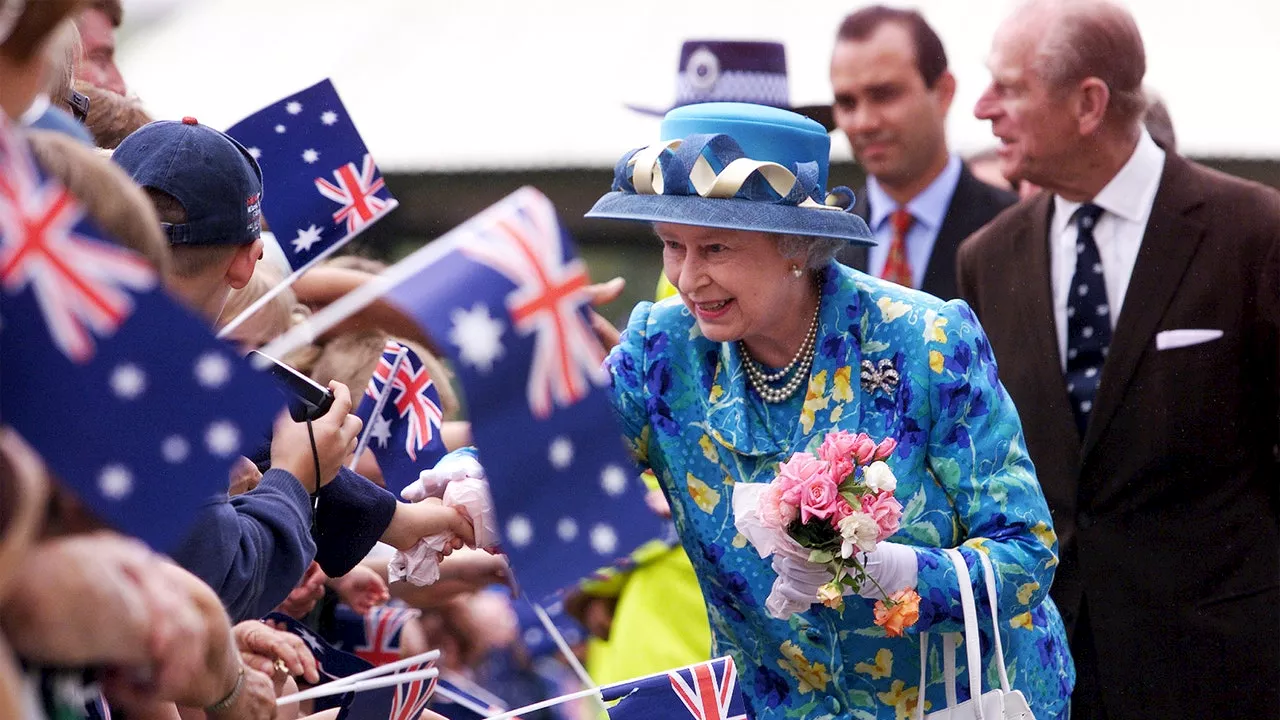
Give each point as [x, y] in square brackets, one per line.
[188, 120]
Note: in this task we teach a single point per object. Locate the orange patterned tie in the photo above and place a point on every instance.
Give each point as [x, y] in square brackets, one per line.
[897, 268]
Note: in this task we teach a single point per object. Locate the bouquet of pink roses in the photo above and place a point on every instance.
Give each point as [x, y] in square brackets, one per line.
[822, 511]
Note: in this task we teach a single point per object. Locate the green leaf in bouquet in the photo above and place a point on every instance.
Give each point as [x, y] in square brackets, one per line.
[813, 535]
[821, 557]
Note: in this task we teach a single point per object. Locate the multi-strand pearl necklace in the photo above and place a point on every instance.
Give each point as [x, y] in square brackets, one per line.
[797, 369]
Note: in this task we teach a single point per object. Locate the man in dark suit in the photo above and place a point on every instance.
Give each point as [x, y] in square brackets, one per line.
[1134, 309]
[892, 92]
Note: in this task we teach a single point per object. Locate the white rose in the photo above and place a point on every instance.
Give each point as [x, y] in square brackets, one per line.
[859, 532]
[879, 477]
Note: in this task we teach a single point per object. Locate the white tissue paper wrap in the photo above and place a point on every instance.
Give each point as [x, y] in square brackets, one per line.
[453, 466]
[796, 588]
[420, 565]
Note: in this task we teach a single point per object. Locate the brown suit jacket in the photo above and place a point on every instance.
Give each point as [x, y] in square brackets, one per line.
[1166, 510]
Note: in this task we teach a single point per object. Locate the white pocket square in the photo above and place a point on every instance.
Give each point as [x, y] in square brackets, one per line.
[1170, 339]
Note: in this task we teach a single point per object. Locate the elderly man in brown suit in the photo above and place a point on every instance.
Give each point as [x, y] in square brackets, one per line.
[1134, 310]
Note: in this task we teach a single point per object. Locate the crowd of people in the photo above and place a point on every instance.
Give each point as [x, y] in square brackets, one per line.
[1073, 342]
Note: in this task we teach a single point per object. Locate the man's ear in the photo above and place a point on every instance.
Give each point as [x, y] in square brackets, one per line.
[1093, 100]
[242, 263]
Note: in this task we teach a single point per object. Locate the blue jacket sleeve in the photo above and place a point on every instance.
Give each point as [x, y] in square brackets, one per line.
[351, 514]
[252, 549]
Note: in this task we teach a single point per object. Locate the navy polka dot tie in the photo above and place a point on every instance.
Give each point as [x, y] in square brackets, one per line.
[1088, 319]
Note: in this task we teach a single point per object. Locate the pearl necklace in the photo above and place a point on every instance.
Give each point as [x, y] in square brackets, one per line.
[798, 368]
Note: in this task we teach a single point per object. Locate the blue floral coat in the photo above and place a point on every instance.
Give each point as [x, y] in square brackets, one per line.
[964, 479]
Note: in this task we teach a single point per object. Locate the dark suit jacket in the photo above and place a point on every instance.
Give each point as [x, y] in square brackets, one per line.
[1166, 510]
[972, 206]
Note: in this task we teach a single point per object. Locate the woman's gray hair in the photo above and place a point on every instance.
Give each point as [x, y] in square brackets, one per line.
[816, 251]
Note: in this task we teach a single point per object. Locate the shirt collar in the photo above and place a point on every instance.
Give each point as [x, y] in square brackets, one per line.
[1130, 192]
[927, 209]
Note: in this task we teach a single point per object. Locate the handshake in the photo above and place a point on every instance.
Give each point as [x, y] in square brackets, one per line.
[457, 484]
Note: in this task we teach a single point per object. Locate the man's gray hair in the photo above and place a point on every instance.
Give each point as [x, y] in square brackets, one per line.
[816, 251]
[1094, 38]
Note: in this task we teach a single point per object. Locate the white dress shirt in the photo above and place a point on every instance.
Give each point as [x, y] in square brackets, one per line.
[1126, 203]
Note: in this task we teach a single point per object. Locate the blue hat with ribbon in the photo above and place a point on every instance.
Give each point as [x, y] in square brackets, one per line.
[737, 166]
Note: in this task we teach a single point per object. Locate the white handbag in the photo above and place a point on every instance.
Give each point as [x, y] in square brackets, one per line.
[1003, 703]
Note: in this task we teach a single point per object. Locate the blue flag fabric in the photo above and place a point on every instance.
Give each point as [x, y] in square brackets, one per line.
[399, 702]
[706, 691]
[128, 397]
[457, 700]
[534, 635]
[321, 186]
[508, 302]
[405, 436]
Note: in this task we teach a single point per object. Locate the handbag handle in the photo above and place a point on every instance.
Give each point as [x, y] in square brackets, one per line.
[972, 640]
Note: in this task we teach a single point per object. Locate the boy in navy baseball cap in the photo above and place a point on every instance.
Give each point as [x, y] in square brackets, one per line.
[207, 189]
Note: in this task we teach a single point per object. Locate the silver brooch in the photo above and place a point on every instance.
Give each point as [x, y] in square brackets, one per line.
[879, 376]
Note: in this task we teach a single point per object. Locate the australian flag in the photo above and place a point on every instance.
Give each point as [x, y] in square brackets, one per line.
[404, 434]
[706, 691]
[321, 186]
[129, 398]
[399, 702]
[507, 300]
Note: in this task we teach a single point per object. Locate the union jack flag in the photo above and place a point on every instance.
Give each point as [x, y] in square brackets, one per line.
[405, 435]
[382, 626]
[354, 191]
[79, 282]
[526, 247]
[706, 691]
[300, 141]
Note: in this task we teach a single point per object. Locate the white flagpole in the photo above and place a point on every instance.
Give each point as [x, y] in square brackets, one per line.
[428, 656]
[560, 642]
[366, 294]
[258, 304]
[371, 684]
[378, 406]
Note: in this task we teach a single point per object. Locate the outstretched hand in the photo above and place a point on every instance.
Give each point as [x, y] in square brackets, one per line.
[603, 294]
[362, 589]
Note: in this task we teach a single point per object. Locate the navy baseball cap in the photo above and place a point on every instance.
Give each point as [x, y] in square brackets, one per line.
[214, 177]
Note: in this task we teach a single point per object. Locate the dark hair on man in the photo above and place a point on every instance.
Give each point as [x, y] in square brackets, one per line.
[187, 260]
[931, 58]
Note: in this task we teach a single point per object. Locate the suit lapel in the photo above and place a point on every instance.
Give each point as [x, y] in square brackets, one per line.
[1172, 236]
[940, 275]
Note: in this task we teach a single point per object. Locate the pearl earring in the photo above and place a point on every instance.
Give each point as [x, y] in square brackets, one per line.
[796, 271]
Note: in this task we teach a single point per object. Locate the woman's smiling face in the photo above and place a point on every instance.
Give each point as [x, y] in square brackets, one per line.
[737, 283]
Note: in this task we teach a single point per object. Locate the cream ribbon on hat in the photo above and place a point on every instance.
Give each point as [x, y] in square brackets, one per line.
[647, 175]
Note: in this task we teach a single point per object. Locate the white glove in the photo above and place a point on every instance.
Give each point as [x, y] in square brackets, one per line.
[796, 588]
[893, 566]
[456, 465]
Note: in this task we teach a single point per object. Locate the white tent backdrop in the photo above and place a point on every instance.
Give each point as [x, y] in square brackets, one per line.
[450, 85]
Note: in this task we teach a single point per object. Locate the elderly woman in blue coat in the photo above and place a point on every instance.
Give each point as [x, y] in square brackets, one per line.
[769, 346]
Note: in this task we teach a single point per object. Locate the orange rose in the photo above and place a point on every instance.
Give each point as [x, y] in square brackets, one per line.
[900, 611]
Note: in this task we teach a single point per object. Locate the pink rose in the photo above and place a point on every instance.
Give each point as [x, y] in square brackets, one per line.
[864, 449]
[818, 498]
[773, 511]
[841, 510]
[885, 509]
[796, 472]
[837, 444]
[885, 448]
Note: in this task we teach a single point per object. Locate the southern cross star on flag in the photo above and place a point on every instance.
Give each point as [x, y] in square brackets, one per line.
[507, 300]
[405, 435]
[128, 398]
[321, 186]
[706, 691]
